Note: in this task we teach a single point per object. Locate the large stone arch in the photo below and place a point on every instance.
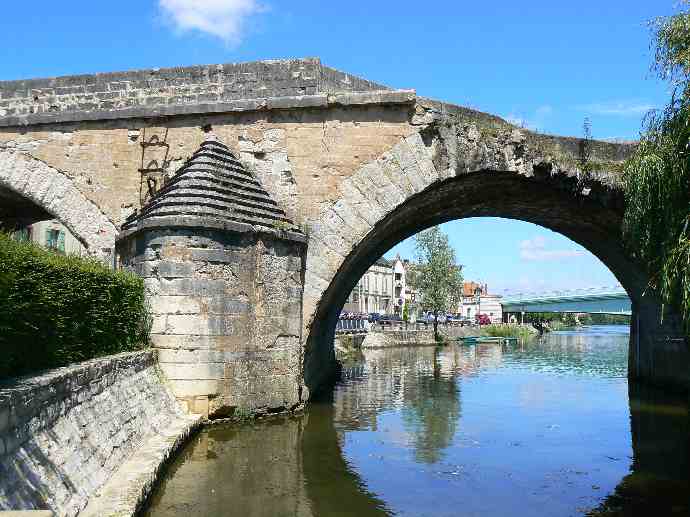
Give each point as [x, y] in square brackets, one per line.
[450, 171]
[56, 194]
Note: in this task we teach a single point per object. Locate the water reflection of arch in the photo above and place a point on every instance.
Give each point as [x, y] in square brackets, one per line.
[659, 482]
[420, 381]
[332, 487]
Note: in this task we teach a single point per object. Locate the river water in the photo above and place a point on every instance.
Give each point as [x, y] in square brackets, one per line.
[547, 427]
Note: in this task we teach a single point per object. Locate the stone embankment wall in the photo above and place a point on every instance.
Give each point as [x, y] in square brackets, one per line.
[390, 338]
[345, 344]
[65, 433]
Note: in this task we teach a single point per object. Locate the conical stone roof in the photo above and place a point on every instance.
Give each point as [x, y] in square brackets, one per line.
[212, 186]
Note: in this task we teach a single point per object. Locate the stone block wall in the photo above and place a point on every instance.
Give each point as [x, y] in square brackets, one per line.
[659, 352]
[227, 315]
[46, 99]
[64, 433]
[155, 87]
[393, 338]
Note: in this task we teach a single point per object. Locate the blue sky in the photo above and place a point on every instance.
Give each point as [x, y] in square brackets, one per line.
[542, 63]
[514, 256]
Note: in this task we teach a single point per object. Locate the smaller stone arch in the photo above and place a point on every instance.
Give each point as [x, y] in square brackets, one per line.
[55, 192]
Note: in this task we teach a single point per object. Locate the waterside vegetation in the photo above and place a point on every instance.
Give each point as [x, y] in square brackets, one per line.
[521, 332]
[438, 275]
[657, 177]
[56, 310]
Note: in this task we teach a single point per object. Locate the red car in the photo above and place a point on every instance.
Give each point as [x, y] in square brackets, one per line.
[482, 319]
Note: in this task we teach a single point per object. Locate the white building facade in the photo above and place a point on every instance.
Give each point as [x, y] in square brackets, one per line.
[477, 300]
[374, 291]
[382, 289]
[51, 234]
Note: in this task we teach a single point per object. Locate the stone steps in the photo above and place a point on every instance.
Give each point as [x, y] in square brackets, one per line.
[129, 487]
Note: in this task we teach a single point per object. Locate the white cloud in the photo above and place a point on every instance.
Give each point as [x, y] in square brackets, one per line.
[224, 19]
[535, 250]
[618, 108]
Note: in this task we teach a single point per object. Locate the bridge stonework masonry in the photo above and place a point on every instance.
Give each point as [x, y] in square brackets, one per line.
[310, 175]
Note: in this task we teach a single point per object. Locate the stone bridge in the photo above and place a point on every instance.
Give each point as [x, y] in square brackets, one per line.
[253, 196]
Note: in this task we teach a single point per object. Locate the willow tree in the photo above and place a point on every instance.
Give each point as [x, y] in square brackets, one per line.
[438, 276]
[657, 177]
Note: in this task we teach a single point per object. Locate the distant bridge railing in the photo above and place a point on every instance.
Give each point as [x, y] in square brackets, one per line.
[606, 300]
[351, 326]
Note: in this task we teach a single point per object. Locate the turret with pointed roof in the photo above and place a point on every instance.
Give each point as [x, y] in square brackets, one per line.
[224, 271]
[212, 189]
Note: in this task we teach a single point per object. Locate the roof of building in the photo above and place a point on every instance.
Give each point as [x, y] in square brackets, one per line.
[215, 186]
[468, 288]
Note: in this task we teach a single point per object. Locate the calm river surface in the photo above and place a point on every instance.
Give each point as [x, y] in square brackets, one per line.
[545, 428]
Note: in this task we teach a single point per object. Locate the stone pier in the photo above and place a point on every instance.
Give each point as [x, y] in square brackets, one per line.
[224, 272]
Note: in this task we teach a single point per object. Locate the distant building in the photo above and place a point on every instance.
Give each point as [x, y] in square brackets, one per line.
[399, 286]
[412, 297]
[374, 291]
[477, 300]
[383, 289]
[51, 234]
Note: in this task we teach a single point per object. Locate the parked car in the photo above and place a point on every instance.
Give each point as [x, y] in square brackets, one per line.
[482, 319]
[389, 319]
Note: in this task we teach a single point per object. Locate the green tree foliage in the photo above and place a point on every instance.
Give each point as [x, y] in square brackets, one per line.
[56, 310]
[657, 177]
[569, 319]
[439, 277]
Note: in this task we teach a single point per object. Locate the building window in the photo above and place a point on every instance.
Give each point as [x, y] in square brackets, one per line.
[55, 240]
[22, 235]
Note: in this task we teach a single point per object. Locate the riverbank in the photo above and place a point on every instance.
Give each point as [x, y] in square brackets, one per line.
[88, 439]
[391, 338]
[348, 344]
[521, 332]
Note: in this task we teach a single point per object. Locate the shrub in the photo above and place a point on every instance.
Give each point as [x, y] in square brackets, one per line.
[56, 310]
[519, 331]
